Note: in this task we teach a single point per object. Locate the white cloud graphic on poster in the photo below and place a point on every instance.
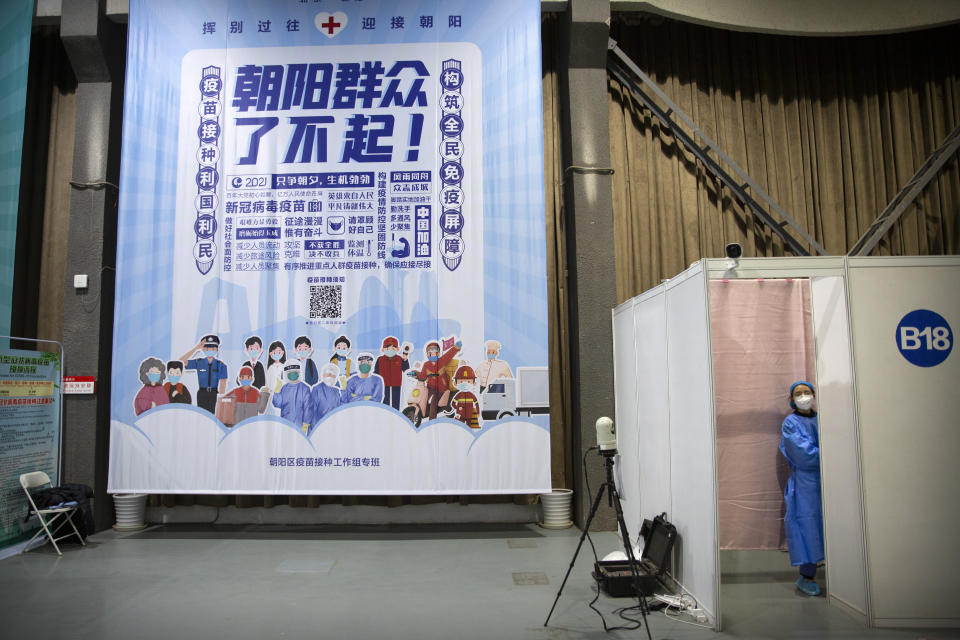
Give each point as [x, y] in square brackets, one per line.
[184, 449]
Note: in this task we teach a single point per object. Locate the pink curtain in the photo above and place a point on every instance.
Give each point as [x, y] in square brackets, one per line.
[762, 337]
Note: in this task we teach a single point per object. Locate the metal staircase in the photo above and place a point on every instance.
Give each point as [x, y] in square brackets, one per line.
[903, 200]
[701, 146]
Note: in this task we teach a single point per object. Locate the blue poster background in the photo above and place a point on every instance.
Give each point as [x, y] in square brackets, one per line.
[153, 312]
[16, 19]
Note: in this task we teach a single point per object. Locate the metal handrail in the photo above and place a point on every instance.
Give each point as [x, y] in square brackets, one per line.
[632, 77]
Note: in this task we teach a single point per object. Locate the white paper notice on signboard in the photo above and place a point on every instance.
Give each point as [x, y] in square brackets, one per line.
[29, 430]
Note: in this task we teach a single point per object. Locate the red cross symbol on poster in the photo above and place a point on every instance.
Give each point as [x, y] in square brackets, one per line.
[330, 24]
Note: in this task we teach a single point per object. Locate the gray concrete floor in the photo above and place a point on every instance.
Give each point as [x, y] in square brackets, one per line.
[397, 582]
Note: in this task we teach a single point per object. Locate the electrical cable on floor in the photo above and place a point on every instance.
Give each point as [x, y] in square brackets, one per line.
[681, 606]
[676, 618]
[621, 612]
[696, 603]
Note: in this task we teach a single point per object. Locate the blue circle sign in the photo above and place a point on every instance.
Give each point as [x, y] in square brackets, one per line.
[924, 338]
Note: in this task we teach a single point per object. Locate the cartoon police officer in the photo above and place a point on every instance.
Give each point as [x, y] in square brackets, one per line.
[211, 373]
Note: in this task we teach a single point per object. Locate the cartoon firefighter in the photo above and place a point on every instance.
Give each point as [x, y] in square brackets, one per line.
[465, 403]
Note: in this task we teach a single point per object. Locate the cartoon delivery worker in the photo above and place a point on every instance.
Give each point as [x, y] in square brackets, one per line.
[151, 394]
[177, 392]
[293, 399]
[432, 373]
[390, 366]
[366, 385]
[341, 348]
[246, 396]
[211, 373]
[465, 403]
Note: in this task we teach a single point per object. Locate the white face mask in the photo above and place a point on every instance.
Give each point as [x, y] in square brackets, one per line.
[329, 381]
[804, 402]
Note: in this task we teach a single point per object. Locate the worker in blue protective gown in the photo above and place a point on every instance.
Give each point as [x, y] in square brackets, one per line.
[800, 445]
[293, 397]
[325, 396]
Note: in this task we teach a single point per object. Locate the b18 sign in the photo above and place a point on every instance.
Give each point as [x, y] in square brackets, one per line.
[924, 338]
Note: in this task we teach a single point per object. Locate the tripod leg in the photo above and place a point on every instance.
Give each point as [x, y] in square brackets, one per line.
[583, 536]
[631, 558]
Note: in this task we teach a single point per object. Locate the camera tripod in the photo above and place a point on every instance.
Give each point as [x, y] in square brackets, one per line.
[613, 499]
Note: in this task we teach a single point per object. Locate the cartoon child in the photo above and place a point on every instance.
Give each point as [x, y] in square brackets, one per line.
[246, 397]
[492, 368]
[152, 394]
[177, 392]
[341, 348]
[325, 396]
[390, 366]
[293, 399]
[253, 346]
[304, 349]
[211, 373]
[432, 373]
[465, 402]
[366, 385]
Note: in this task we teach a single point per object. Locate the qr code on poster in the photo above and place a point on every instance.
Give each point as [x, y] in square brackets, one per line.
[326, 300]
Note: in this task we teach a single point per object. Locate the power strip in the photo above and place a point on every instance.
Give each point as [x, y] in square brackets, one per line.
[672, 601]
[698, 615]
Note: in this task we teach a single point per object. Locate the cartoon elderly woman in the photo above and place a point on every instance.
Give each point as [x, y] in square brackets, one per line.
[152, 394]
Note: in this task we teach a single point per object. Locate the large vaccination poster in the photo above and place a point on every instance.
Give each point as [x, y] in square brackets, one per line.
[331, 270]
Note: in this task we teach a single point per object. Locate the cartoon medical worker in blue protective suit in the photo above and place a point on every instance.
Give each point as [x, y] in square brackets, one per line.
[293, 399]
[366, 385]
[800, 445]
[325, 396]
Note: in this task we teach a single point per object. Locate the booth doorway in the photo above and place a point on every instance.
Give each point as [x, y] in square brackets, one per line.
[762, 342]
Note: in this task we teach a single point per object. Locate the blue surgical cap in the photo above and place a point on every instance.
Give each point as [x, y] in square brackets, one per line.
[797, 384]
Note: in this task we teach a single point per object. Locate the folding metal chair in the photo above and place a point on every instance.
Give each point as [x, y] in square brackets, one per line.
[58, 516]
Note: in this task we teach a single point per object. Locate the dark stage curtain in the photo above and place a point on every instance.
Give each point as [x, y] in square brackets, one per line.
[44, 209]
[831, 128]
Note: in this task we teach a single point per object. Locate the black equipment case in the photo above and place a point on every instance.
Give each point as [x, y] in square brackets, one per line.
[615, 576]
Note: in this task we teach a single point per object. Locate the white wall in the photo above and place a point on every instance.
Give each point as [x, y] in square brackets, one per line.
[839, 455]
[625, 378]
[664, 398]
[653, 402]
[643, 412]
[693, 475]
[890, 437]
[909, 441]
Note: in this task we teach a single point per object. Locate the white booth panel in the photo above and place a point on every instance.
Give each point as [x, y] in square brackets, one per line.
[909, 434]
[643, 412]
[692, 439]
[839, 456]
[625, 386]
[653, 401]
